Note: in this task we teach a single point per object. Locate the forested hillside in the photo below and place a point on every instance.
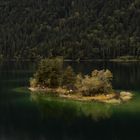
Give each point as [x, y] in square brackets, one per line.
[75, 29]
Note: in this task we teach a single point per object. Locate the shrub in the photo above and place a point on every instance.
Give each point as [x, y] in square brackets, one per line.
[99, 82]
[79, 80]
[33, 82]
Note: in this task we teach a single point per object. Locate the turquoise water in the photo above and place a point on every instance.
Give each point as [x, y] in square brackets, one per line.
[26, 116]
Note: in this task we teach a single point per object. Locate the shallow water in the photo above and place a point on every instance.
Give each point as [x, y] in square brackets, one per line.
[27, 117]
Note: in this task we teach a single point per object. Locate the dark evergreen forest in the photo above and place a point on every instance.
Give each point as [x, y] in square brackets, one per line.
[75, 29]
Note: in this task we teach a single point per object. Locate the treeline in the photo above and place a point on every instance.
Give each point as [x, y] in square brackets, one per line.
[75, 29]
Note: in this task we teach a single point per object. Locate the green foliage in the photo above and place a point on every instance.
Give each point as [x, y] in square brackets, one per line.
[75, 29]
[49, 72]
[69, 77]
[33, 82]
[1, 57]
[99, 82]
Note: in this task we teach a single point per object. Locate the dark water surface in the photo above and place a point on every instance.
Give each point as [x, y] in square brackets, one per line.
[26, 117]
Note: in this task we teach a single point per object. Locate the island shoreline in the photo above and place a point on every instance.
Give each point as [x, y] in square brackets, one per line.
[111, 98]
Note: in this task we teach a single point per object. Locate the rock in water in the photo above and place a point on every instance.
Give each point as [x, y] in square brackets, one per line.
[125, 96]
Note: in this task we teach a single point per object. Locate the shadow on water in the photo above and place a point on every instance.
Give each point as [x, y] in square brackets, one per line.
[33, 117]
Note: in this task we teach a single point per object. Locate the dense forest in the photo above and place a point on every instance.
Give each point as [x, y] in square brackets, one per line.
[75, 29]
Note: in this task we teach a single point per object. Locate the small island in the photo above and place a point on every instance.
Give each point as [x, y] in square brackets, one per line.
[52, 78]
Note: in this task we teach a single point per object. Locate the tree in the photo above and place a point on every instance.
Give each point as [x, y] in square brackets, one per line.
[1, 57]
[69, 78]
[71, 28]
[49, 72]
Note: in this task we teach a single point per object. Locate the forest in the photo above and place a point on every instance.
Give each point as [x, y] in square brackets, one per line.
[74, 29]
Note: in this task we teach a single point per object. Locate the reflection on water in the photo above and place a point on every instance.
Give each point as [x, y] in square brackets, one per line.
[28, 117]
[73, 109]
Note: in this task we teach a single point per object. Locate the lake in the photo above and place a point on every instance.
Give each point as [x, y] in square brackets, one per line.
[29, 117]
